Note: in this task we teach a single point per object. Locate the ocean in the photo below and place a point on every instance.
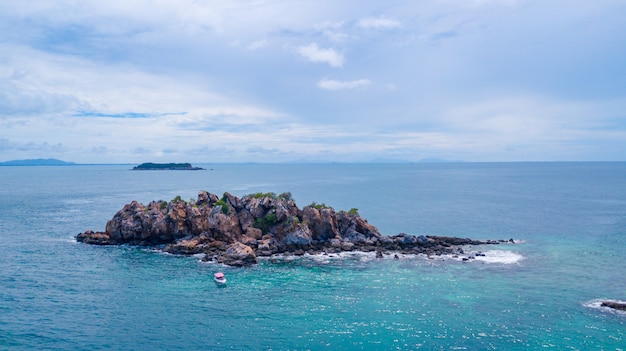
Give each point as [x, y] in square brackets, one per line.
[568, 221]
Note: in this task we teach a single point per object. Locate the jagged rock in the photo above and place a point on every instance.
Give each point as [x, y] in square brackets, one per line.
[248, 240]
[184, 247]
[347, 246]
[335, 242]
[238, 254]
[94, 238]
[301, 237]
[388, 243]
[254, 233]
[322, 222]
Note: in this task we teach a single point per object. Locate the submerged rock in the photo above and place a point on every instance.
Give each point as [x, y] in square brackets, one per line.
[237, 230]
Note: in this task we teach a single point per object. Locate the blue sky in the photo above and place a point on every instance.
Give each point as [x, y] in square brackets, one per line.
[346, 81]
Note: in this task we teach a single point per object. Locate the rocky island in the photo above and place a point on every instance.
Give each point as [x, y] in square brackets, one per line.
[149, 166]
[235, 231]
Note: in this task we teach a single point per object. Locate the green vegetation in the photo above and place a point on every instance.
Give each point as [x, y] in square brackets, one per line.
[222, 202]
[319, 206]
[286, 196]
[163, 204]
[265, 223]
[178, 199]
[261, 195]
[353, 212]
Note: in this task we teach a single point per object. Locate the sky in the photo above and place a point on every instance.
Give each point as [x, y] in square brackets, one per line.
[130, 81]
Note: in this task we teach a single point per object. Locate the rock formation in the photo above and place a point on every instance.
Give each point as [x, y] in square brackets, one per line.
[236, 230]
[614, 305]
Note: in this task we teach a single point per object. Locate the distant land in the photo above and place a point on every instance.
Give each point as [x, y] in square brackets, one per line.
[37, 162]
[188, 166]
[149, 166]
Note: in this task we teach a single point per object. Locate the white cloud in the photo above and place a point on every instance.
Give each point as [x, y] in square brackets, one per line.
[379, 23]
[316, 54]
[330, 84]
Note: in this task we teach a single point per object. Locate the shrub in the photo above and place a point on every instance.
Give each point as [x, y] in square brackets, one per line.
[286, 196]
[178, 199]
[265, 223]
[354, 211]
[222, 202]
[261, 195]
[319, 206]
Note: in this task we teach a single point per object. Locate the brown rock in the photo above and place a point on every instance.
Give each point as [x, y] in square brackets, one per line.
[238, 254]
[94, 238]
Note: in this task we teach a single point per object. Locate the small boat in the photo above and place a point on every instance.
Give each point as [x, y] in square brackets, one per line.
[219, 278]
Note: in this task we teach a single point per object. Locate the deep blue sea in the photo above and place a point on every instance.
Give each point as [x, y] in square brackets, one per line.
[541, 293]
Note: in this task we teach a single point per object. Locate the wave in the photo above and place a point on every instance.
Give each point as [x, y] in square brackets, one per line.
[499, 256]
[490, 256]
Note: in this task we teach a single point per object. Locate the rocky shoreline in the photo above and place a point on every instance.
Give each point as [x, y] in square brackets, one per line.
[235, 231]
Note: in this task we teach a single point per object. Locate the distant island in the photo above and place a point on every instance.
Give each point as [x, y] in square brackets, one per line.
[37, 162]
[149, 166]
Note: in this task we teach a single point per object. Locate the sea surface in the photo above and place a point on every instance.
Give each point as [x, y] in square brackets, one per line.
[568, 221]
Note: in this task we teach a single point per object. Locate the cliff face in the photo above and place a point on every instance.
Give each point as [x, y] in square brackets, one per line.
[235, 230]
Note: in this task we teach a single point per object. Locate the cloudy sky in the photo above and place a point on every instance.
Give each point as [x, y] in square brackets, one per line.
[127, 81]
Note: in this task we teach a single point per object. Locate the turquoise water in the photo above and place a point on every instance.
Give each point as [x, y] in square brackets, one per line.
[56, 294]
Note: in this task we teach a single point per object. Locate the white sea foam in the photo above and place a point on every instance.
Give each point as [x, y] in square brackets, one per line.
[597, 304]
[500, 256]
[326, 258]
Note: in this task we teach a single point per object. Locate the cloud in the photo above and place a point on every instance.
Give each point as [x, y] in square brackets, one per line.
[318, 55]
[466, 80]
[17, 99]
[379, 23]
[331, 84]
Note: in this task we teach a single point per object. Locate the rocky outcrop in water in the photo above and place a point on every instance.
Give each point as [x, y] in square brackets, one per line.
[149, 166]
[236, 230]
[614, 305]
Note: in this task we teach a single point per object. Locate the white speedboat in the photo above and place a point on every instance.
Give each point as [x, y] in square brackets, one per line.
[219, 278]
